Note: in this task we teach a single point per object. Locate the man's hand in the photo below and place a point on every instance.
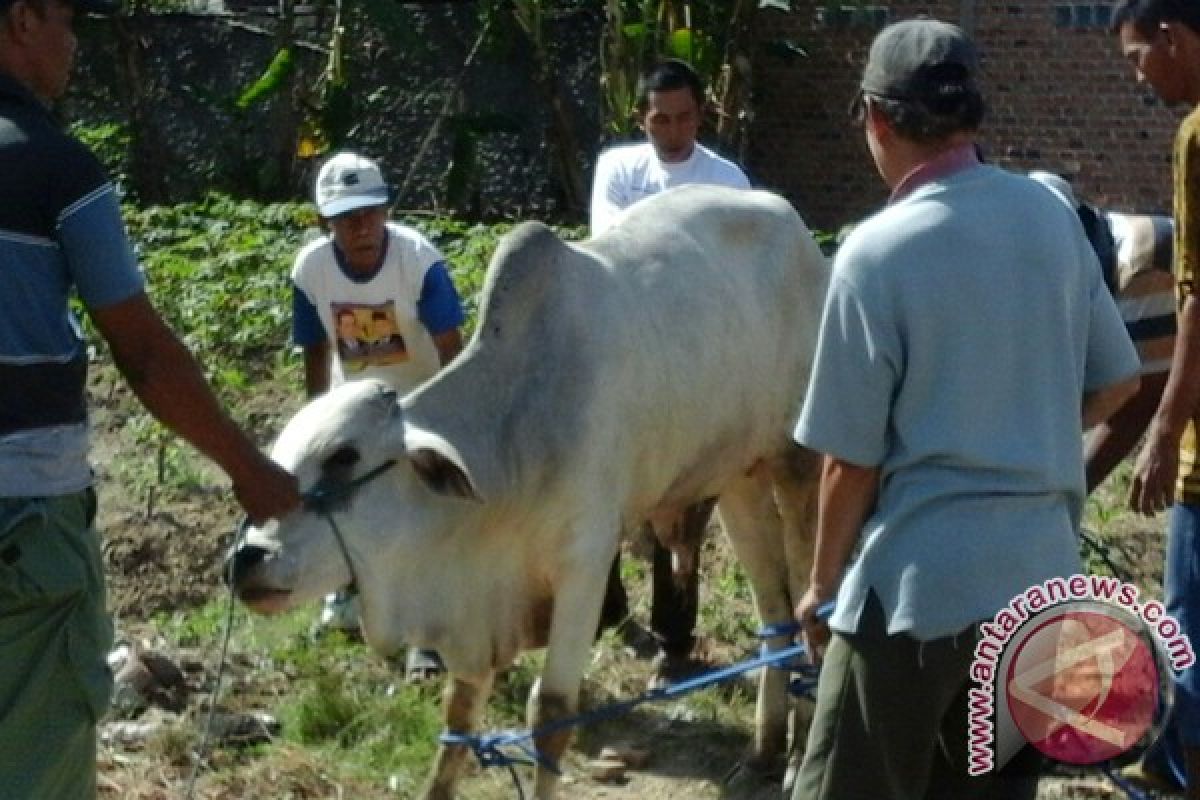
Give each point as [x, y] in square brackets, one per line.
[816, 631]
[267, 491]
[1154, 473]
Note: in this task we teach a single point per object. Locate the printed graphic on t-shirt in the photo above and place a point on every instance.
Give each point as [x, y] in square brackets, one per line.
[368, 336]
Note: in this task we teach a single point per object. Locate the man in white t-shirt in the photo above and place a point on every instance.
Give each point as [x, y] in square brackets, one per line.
[372, 299]
[670, 103]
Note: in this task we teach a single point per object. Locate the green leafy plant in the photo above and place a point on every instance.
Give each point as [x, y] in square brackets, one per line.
[109, 142]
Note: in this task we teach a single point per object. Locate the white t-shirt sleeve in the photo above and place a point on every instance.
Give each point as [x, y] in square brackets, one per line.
[736, 178]
[609, 195]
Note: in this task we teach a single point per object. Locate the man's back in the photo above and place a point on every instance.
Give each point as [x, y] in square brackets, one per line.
[957, 302]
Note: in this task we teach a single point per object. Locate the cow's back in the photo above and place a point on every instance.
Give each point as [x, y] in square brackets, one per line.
[681, 336]
[708, 332]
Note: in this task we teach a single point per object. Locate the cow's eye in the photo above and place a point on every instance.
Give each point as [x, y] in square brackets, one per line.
[343, 458]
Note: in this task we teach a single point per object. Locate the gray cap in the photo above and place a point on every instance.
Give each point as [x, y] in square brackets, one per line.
[921, 60]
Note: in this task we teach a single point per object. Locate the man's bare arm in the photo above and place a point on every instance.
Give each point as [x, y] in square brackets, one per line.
[166, 378]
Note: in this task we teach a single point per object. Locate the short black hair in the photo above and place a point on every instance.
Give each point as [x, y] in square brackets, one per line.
[1146, 15]
[920, 123]
[666, 76]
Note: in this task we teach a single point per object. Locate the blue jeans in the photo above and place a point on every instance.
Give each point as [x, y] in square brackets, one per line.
[1181, 593]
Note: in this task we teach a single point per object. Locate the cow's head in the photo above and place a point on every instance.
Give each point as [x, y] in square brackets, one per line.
[374, 488]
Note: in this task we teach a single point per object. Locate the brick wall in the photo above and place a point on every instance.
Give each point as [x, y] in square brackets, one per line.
[1060, 98]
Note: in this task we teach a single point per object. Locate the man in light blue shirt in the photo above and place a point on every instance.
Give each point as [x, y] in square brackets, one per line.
[967, 342]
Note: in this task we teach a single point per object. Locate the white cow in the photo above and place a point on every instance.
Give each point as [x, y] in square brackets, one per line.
[609, 383]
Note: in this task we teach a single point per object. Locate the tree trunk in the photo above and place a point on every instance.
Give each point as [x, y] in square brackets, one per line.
[147, 159]
[561, 132]
[733, 92]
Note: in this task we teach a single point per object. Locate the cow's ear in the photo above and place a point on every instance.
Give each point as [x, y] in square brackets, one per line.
[442, 474]
[439, 465]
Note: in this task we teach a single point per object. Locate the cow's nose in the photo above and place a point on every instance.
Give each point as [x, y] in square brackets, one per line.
[241, 561]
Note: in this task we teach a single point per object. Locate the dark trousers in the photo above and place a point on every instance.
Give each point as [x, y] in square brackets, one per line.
[891, 722]
[674, 608]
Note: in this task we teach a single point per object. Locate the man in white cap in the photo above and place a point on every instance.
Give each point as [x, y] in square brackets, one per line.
[366, 270]
[965, 322]
[372, 299]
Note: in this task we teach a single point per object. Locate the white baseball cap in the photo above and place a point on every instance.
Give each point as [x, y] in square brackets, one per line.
[346, 182]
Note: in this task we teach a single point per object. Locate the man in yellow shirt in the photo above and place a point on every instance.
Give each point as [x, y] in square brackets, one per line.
[1161, 40]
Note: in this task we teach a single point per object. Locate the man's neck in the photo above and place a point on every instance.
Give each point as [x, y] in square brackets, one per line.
[14, 65]
[935, 164]
[675, 159]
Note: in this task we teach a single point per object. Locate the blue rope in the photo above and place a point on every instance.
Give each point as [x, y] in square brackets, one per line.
[491, 748]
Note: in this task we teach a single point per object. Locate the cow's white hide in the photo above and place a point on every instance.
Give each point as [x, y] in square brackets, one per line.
[610, 382]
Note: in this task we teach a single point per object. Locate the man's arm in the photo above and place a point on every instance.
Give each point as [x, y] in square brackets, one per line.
[1113, 439]
[449, 344]
[316, 368]
[607, 196]
[845, 500]
[166, 378]
[1102, 403]
[441, 311]
[1157, 465]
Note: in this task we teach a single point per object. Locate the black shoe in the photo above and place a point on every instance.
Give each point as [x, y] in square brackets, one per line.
[670, 670]
[638, 642]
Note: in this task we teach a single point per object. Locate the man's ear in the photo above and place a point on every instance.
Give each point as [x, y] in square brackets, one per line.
[873, 117]
[14, 20]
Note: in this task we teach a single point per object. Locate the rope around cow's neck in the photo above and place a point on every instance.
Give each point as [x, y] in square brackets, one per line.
[323, 500]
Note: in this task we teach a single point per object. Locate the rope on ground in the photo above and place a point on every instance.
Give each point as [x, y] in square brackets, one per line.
[206, 735]
[495, 749]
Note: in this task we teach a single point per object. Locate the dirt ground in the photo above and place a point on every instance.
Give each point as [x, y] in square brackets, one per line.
[171, 559]
[163, 549]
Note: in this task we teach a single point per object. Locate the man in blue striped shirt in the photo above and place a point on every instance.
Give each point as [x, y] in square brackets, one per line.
[61, 232]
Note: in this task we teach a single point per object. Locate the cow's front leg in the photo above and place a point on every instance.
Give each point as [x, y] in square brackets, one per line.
[465, 702]
[572, 629]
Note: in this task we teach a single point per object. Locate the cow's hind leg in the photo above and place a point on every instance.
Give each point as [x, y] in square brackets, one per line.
[755, 531]
[465, 702]
[797, 479]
